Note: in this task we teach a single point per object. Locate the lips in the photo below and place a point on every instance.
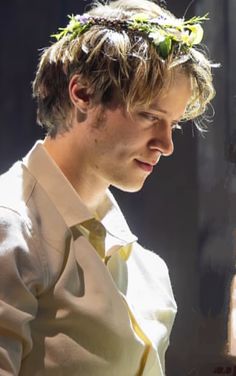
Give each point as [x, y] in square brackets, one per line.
[145, 166]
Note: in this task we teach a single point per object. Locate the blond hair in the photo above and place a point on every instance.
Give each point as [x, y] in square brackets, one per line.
[112, 61]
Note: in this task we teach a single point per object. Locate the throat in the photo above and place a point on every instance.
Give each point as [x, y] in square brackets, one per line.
[91, 192]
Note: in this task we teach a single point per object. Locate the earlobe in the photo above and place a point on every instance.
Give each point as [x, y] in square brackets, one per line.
[79, 95]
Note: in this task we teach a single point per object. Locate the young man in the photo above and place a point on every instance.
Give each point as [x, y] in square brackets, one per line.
[79, 295]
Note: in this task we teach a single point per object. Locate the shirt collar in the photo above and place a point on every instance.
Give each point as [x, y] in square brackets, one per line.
[53, 181]
[66, 199]
[114, 221]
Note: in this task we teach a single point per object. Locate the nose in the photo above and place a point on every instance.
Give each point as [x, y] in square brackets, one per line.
[162, 140]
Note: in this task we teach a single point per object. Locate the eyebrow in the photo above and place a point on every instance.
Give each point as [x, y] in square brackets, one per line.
[158, 110]
[155, 109]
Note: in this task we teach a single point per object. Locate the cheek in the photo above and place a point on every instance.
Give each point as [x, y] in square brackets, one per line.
[118, 139]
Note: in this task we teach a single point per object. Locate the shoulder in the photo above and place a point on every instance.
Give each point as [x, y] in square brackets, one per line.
[16, 186]
[16, 232]
[32, 233]
[12, 222]
[20, 255]
[21, 251]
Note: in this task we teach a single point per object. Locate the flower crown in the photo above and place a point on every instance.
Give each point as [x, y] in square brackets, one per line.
[168, 35]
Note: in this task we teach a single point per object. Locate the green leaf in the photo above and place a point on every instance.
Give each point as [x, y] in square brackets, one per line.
[165, 47]
[140, 17]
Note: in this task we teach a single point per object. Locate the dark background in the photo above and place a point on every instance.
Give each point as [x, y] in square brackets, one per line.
[186, 211]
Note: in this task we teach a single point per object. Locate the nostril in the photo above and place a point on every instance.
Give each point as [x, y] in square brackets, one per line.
[169, 150]
[164, 145]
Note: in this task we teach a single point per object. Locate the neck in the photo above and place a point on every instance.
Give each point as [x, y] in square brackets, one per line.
[73, 166]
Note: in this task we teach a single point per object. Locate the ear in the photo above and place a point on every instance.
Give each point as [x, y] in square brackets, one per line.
[79, 95]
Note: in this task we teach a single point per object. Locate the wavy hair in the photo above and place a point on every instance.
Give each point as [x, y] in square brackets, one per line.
[111, 61]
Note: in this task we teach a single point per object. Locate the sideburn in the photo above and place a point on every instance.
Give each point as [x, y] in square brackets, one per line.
[80, 116]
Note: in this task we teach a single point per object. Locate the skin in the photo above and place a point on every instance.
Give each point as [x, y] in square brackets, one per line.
[108, 146]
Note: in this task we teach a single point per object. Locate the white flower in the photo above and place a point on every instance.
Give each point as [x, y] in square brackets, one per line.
[196, 34]
[157, 37]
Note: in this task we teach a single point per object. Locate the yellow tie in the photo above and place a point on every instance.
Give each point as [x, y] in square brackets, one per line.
[95, 232]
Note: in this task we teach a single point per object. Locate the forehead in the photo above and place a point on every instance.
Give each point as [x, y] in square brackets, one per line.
[174, 96]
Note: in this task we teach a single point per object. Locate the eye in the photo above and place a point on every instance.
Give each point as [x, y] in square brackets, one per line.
[149, 116]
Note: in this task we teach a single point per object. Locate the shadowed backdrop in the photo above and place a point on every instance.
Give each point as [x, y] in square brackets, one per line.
[186, 210]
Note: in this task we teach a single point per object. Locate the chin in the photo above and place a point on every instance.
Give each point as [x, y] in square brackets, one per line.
[132, 188]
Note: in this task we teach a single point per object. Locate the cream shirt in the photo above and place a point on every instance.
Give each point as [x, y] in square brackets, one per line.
[65, 308]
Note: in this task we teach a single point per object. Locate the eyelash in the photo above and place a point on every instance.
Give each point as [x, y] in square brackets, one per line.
[150, 117]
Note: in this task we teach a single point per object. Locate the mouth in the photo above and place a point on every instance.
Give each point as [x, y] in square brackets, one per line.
[144, 166]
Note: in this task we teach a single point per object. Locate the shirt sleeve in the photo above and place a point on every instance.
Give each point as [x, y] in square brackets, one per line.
[20, 275]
